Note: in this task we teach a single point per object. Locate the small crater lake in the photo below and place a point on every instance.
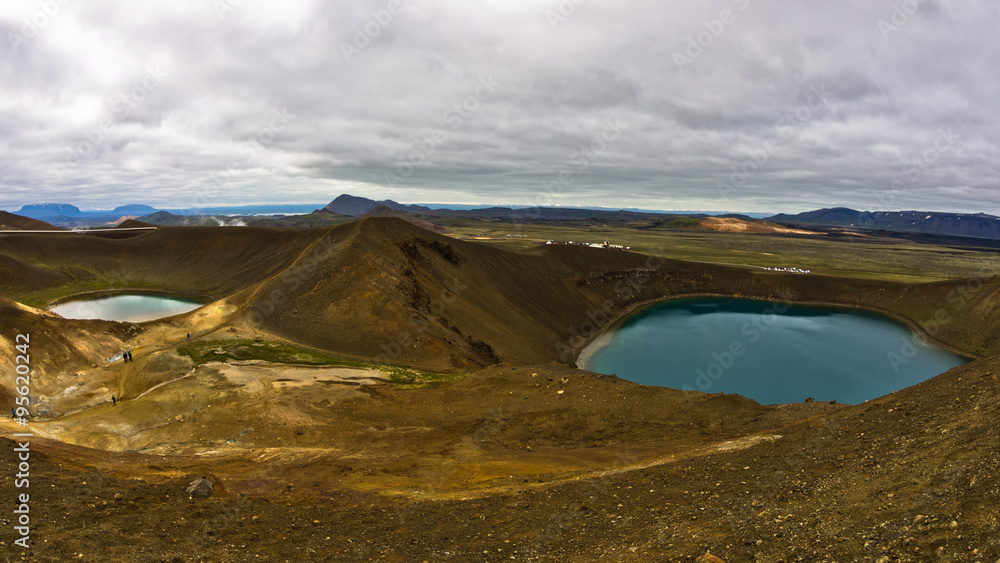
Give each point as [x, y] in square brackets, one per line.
[770, 352]
[134, 308]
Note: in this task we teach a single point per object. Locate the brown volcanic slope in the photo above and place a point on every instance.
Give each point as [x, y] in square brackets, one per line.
[908, 477]
[732, 224]
[186, 259]
[406, 295]
[497, 466]
[382, 288]
[12, 222]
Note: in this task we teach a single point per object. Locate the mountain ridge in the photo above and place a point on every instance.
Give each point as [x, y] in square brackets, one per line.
[13, 222]
[978, 225]
[974, 225]
[355, 206]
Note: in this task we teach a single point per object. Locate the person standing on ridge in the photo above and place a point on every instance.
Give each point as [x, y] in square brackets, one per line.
[114, 402]
[130, 356]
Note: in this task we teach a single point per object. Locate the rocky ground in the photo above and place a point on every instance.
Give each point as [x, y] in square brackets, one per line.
[430, 456]
[909, 477]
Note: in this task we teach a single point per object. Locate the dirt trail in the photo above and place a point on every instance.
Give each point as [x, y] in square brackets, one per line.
[155, 387]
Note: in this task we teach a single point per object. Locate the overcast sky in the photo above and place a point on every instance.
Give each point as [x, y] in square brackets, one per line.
[743, 105]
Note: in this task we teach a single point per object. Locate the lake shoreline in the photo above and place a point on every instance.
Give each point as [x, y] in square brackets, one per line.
[606, 333]
[203, 298]
[128, 306]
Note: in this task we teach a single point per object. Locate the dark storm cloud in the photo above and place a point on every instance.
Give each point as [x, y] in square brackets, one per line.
[730, 104]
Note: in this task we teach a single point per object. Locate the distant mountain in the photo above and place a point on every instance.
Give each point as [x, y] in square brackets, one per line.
[354, 206]
[49, 210]
[12, 222]
[162, 218]
[66, 215]
[247, 210]
[832, 216]
[132, 209]
[979, 225]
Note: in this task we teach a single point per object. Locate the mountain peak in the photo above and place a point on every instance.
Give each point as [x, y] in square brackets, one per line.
[355, 206]
[49, 210]
[133, 209]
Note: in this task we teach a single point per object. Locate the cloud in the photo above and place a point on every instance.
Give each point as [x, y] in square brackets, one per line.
[190, 104]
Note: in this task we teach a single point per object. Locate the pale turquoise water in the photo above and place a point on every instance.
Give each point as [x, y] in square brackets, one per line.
[126, 308]
[770, 352]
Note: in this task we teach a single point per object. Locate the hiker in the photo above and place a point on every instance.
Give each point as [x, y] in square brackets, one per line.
[124, 356]
[12, 415]
[189, 336]
[114, 402]
[130, 356]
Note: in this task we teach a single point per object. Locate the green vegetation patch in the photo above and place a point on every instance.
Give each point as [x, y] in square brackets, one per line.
[681, 223]
[241, 350]
[202, 352]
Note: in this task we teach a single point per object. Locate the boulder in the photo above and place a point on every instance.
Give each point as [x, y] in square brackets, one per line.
[200, 488]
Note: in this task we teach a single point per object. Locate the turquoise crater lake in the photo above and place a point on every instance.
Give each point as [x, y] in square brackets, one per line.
[135, 308]
[770, 352]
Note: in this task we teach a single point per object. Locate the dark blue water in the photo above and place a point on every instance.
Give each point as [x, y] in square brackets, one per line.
[770, 352]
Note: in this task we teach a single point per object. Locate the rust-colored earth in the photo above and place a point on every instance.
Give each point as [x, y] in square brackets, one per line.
[379, 392]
